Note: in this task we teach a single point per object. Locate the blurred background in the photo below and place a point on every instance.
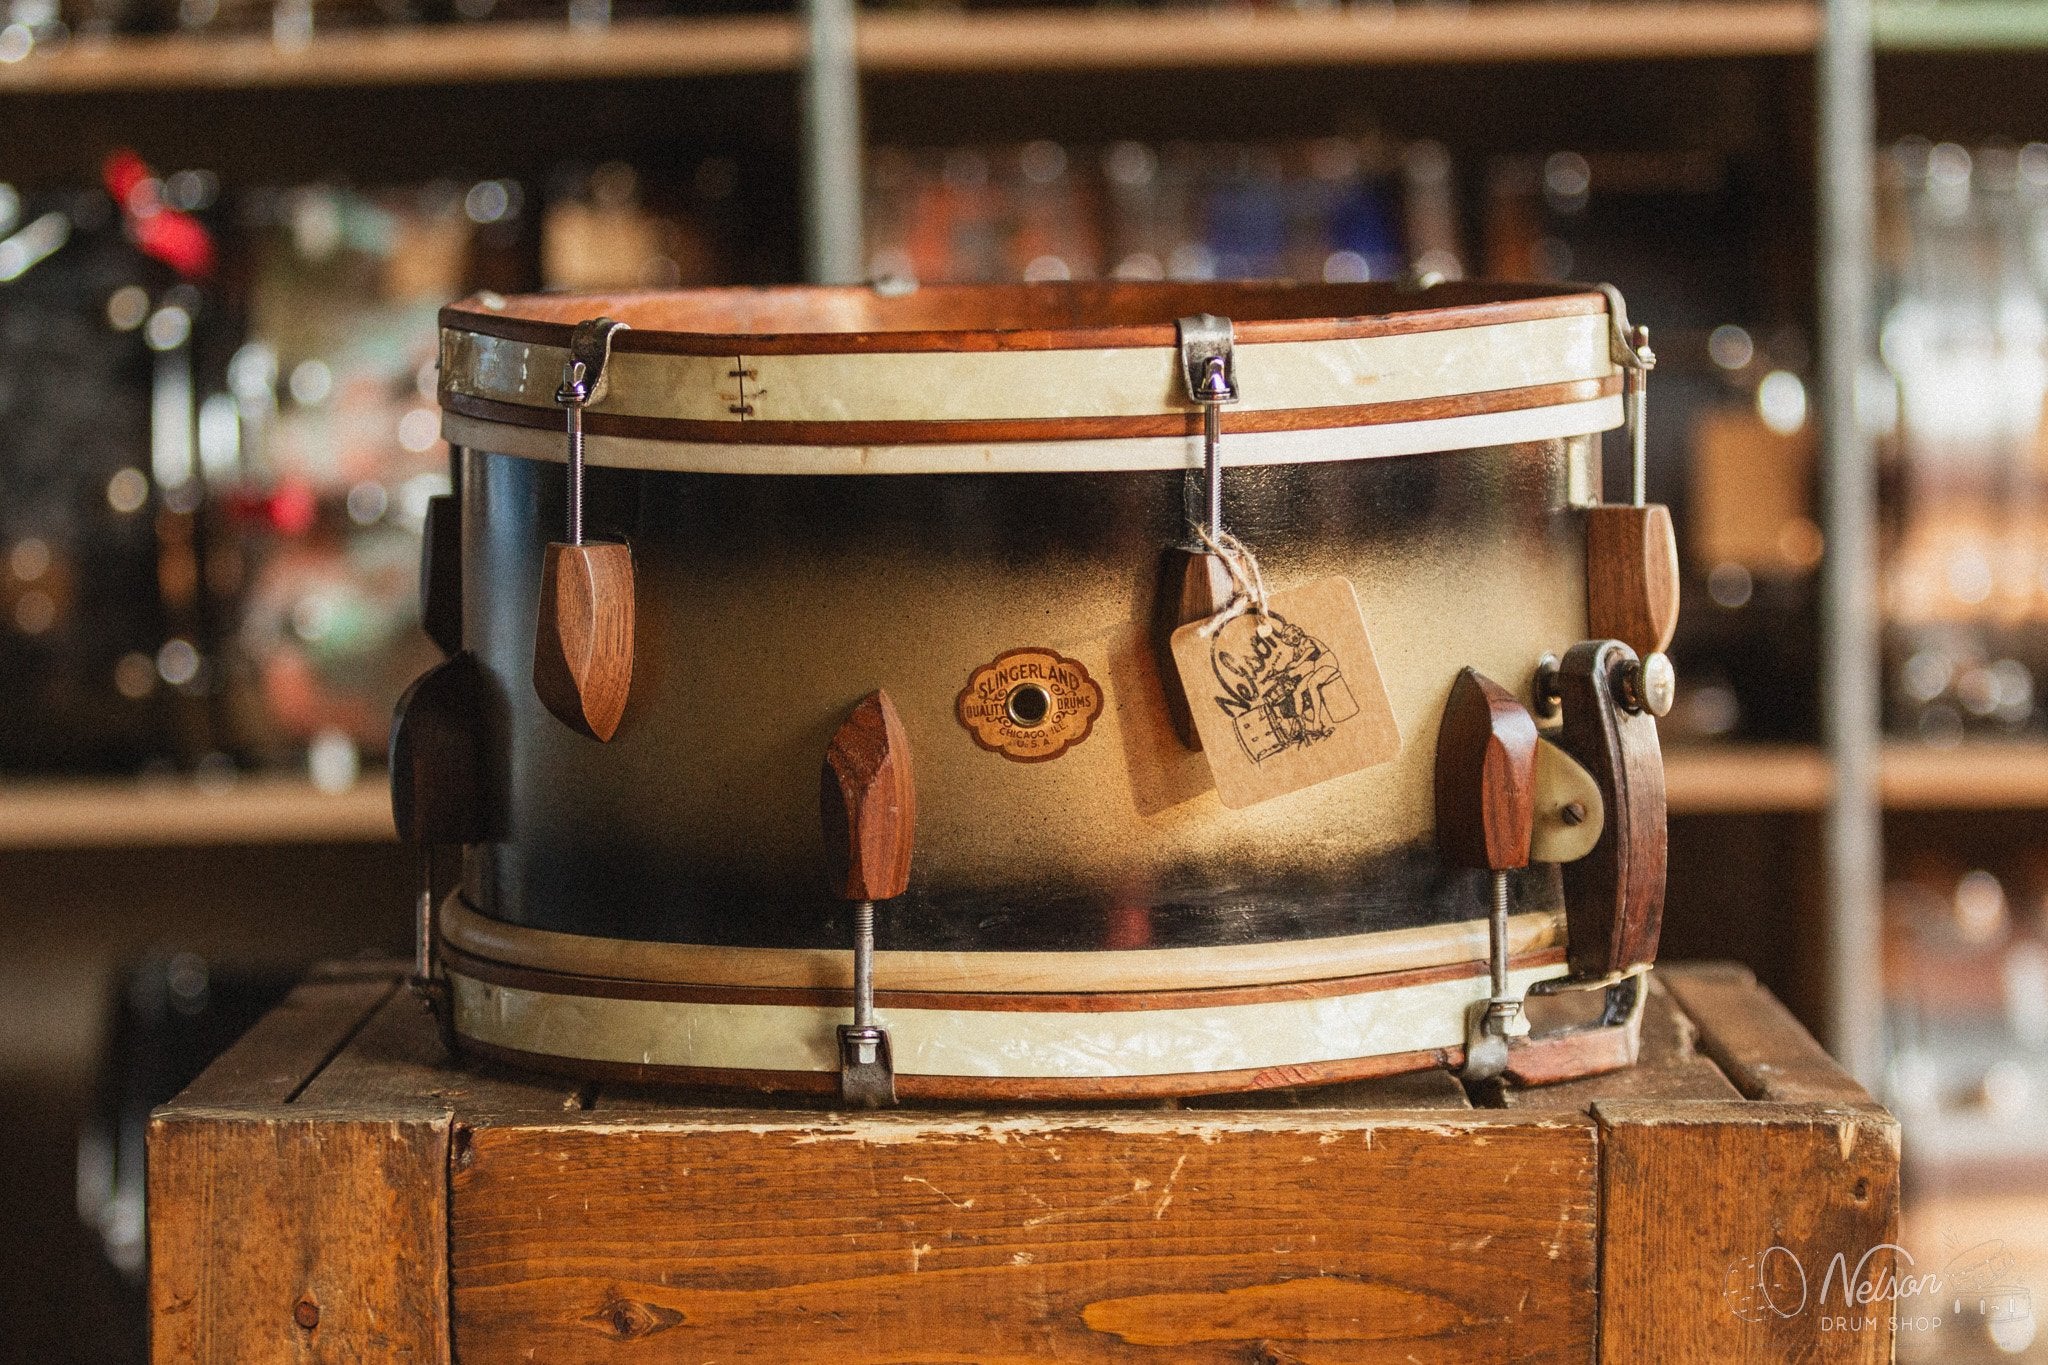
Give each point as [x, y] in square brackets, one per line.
[225, 226]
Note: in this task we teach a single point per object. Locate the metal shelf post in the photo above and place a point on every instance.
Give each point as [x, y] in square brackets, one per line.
[831, 145]
[1850, 682]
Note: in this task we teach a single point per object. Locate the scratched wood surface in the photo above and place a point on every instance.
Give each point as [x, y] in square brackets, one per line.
[285, 1232]
[1786, 1258]
[334, 1189]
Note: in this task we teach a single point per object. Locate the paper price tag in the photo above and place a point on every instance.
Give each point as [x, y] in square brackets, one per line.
[1288, 699]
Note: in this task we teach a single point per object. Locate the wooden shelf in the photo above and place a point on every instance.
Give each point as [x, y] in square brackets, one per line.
[112, 813]
[1980, 776]
[426, 55]
[1732, 779]
[909, 43]
[1108, 39]
[1745, 778]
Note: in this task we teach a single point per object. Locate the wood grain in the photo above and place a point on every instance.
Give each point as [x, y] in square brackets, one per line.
[1485, 776]
[1111, 1236]
[1632, 576]
[1696, 1196]
[299, 1237]
[1614, 896]
[273, 1061]
[441, 572]
[1766, 1052]
[288, 1232]
[583, 640]
[437, 757]
[334, 1170]
[867, 802]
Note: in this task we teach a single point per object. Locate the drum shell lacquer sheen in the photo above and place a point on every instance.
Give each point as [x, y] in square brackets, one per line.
[678, 869]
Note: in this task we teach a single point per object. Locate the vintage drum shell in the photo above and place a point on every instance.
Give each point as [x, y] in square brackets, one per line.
[670, 882]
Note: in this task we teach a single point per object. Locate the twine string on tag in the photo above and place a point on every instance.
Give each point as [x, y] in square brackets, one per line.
[1247, 582]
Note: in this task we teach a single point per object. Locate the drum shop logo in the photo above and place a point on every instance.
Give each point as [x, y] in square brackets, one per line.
[1030, 705]
[1286, 693]
[1282, 687]
[1973, 1293]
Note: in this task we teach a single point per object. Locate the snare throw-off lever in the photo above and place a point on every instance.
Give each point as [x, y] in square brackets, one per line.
[1614, 895]
[583, 640]
[867, 804]
[1485, 819]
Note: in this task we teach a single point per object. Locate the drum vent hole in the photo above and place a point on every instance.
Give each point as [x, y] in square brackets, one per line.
[1029, 704]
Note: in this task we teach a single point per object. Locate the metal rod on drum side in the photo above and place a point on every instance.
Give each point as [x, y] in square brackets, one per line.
[423, 956]
[1212, 462]
[576, 472]
[833, 250]
[1638, 379]
[864, 967]
[1497, 939]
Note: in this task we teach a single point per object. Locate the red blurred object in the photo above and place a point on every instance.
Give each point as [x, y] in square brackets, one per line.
[290, 509]
[177, 239]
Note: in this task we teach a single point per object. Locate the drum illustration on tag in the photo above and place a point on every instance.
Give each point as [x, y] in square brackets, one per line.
[1286, 697]
[1281, 687]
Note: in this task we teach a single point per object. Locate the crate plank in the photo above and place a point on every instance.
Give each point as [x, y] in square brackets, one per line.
[1184, 1237]
[274, 1060]
[276, 1237]
[397, 1057]
[338, 1189]
[1723, 1222]
[1755, 1039]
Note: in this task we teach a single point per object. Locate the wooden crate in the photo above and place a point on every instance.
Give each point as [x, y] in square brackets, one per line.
[331, 1189]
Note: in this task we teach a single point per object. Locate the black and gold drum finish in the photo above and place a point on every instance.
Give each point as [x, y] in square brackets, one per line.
[978, 501]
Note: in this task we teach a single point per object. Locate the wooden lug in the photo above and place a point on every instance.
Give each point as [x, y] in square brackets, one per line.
[583, 640]
[1485, 776]
[437, 756]
[441, 573]
[868, 803]
[1632, 576]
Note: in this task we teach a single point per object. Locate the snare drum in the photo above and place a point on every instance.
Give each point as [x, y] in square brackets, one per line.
[985, 504]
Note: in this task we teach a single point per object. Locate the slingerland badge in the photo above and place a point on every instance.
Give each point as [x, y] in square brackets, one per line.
[1289, 697]
[1029, 705]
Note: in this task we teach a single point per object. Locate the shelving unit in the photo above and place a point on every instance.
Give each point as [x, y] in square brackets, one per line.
[166, 813]
[899, 43]
[445, 55]
[837, 55]
[1197, 38]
